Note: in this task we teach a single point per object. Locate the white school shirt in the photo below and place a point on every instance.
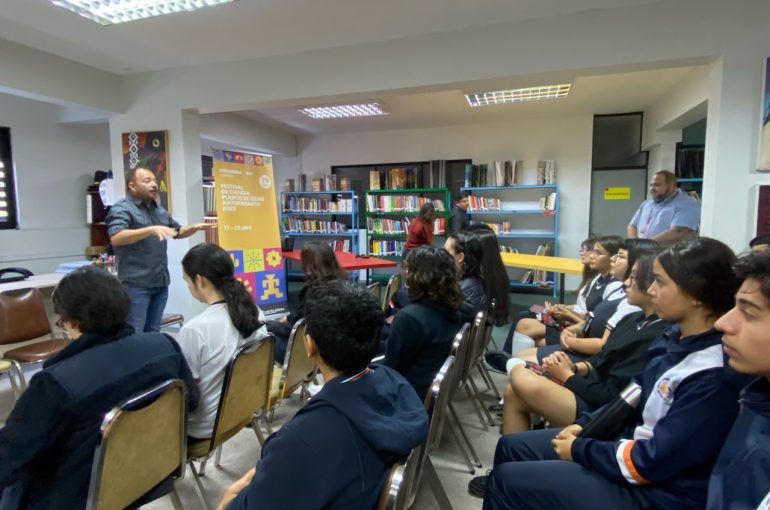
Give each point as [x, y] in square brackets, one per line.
[208, 343]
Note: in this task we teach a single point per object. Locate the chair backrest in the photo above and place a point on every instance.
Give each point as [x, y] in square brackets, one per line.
[481, 328]
[143, 442]
[245, 389]
[400, 478]
[376, 290]
[394, 282]
[437, 400]
[461, 350]
[22, 316]
[298, 369]
[489, 325]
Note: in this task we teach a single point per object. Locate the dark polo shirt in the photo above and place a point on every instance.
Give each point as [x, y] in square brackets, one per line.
[143, 263]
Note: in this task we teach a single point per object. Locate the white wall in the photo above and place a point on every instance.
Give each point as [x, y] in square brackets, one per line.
[54, 165]
[565, 139]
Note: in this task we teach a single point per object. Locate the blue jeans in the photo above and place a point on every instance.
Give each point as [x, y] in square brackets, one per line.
[147, 305]
[528, 476]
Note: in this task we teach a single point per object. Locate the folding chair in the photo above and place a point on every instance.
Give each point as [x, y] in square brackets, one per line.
[400, 478]
[298, 370]
[245, 392]
[23, 318]
[394, 282]
[142, 450]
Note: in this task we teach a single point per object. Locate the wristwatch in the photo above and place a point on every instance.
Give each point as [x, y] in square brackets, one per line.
[177, 228]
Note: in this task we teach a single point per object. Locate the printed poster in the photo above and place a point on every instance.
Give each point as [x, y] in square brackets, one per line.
[247, 225]
[147, 149]
[764, 133]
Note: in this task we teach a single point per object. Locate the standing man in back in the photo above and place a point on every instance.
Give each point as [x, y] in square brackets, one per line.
[458, 216]
[669, 215]
[138, 228]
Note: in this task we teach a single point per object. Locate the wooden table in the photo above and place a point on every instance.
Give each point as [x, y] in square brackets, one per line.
[348, 261]
[559, 265]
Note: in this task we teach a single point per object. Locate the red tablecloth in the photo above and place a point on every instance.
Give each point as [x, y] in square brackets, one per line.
[348, 261]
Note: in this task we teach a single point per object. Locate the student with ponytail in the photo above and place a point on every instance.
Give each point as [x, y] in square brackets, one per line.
[209, 341]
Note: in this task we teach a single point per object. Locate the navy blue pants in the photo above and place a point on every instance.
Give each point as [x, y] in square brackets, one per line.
[147, 305]
[528, 475]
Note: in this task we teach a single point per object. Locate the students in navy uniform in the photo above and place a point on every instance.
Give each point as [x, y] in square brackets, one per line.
[336, 451]
[688, 404]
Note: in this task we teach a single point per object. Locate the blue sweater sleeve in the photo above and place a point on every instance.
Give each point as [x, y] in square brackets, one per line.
[36, 422]
[702, 406]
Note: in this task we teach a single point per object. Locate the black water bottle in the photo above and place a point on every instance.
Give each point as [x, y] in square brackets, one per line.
[613, 419]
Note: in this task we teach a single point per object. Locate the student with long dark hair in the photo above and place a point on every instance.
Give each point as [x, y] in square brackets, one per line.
[493, 273]
[422, 332]
[320, 265]
[211, 339]
[664, 457]
[467, 253]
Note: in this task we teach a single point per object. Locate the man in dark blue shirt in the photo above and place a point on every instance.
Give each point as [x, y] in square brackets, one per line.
[138, 228]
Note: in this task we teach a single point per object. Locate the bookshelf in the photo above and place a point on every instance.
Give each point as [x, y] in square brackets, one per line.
[324, 216]
[388, 212]
[689, 168]
[526, 220]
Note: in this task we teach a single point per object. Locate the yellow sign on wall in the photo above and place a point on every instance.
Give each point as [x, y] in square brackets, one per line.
[247, 225]
[617, 193]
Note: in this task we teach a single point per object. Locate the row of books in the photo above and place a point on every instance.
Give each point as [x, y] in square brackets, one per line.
[388, 226]
[300, 226]
[548, 203]
[341, 245]
[395, 178]
[326, 183]
[476, 203]
[400, 203]
[537, 276]
[209, 200]
[386, 247]
[503, 173]
[500, 228]
[211, 234]
[305, 204]
[546, 172]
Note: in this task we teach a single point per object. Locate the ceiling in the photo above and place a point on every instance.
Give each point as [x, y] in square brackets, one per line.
[248, 29]
[591, 94]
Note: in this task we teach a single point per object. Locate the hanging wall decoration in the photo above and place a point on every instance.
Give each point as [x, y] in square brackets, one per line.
[764, 130]
[149, 149]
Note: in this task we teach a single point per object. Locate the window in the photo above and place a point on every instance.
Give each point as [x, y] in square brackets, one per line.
[8, 216]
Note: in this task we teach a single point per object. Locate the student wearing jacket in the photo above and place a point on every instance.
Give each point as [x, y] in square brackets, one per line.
[421, 334]
[688, 404]
[363, 420]
[741, 477]
[572, 388]
[465, 249]
[47, 445]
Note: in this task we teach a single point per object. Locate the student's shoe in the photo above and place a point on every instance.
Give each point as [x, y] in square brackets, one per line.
[496, 360]
[478, 485]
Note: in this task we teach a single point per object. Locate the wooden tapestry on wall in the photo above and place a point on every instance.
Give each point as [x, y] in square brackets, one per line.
[149, 150]
[764, 130]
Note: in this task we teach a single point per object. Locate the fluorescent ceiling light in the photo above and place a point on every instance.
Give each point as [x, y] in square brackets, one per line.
[367, 109]
[109, 12]
[516, 95]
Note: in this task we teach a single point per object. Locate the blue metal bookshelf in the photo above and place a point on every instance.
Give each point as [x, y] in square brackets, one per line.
[309, 214]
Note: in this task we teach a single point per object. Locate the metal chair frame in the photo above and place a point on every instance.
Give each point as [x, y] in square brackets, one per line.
[287, 388]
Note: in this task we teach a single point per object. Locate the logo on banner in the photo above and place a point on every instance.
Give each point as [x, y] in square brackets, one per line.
[265, 181]
[248, 280]
[273, 259]
[253, 261]
[270, 287]
[237, 256]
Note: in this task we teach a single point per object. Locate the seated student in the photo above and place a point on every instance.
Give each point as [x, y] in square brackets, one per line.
[688, 404]
[493, 273]
[466, 250]
[760, 243]
[336, 451]
[319, 265]
[603, 286]
[422, 332]
[586, 338]
[569, 388]
[47, 444]
[210, 340]
[741, 476]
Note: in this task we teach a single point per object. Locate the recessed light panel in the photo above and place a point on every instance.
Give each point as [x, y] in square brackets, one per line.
[517, 95]
[367, 109]
[109, 12]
